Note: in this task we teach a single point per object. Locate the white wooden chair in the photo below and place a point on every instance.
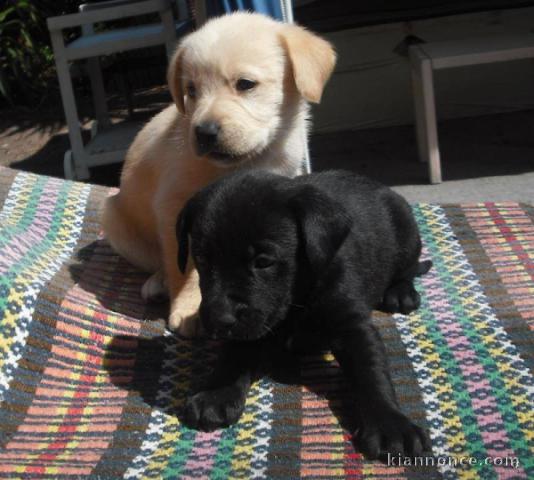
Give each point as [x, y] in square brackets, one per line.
[108, 143]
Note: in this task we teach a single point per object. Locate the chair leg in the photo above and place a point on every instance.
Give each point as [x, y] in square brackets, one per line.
[287, 10]
[169, 29]
[99, 94]
[287, 13]
[425, 112]
[306, 161]
[69, 105]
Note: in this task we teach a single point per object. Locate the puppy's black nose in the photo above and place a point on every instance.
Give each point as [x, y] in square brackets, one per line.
[226, 320]
[206, 134]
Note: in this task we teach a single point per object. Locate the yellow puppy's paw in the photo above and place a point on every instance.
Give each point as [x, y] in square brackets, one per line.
[185, 321]
[184, 308]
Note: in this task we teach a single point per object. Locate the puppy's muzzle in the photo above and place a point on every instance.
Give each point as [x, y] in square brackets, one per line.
[207, 134]
[222, 327]
[219, 317]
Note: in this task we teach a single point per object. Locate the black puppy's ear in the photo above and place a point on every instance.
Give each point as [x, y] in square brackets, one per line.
[183, 229]
[323, 226]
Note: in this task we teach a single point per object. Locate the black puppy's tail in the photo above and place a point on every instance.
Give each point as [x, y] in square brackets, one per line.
[419, 269]
[423, 268]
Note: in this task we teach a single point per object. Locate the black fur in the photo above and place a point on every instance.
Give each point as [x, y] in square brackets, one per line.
[301, 264]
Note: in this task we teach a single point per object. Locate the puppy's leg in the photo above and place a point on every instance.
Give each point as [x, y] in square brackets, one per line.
[223, 402]
[184, 292]
[383, 427]
[185, 301]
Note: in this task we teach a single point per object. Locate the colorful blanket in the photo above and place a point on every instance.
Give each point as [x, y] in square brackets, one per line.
[91, 384]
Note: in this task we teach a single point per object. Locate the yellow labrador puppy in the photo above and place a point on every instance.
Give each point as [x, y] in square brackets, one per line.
[241, 86]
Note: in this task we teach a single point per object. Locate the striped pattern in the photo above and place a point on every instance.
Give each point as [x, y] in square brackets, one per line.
[91, 384]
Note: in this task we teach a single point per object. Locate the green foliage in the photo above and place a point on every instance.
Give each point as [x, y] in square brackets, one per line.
[25, 54]
[27, 70]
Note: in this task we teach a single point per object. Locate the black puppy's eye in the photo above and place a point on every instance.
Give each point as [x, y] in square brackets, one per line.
[263, 261]
[244, 84]
[191, 90]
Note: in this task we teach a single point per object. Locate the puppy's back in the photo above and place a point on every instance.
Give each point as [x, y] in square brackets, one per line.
[345, 186]
[384, 227]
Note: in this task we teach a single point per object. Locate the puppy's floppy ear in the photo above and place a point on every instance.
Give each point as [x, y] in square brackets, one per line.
[323, 226]
[312, 59]
[174, 79]
[183, 229]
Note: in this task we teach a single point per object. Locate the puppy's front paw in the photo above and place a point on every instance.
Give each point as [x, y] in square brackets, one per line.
[187, 324]
[183, 316]
[401, 298]
[213, 409]
[391, 432]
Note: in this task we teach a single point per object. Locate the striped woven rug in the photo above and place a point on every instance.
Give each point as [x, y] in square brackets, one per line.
[92, 386]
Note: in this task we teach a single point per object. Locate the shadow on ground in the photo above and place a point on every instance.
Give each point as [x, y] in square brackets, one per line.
[488, 146]
[49, 161]
[97, 269]
[168, 369]
[36, 140]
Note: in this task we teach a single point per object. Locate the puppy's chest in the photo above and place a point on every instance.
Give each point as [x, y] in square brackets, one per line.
[302, 335]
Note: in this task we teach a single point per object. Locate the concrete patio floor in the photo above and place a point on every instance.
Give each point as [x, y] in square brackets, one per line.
[489, 158]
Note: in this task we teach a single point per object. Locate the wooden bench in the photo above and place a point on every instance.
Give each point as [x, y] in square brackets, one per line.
[427, 57]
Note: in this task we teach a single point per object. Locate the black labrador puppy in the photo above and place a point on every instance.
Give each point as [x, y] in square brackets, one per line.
[300, 264]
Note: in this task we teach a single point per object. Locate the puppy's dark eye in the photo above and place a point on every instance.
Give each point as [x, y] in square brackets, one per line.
[191, 90]
[263, 261]
[244, 84]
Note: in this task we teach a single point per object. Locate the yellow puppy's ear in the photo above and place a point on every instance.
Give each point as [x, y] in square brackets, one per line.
[312, 58]
[175, 81]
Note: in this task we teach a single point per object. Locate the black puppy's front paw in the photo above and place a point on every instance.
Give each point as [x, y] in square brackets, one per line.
[401, 298]
[213, 409]
[391, 432]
